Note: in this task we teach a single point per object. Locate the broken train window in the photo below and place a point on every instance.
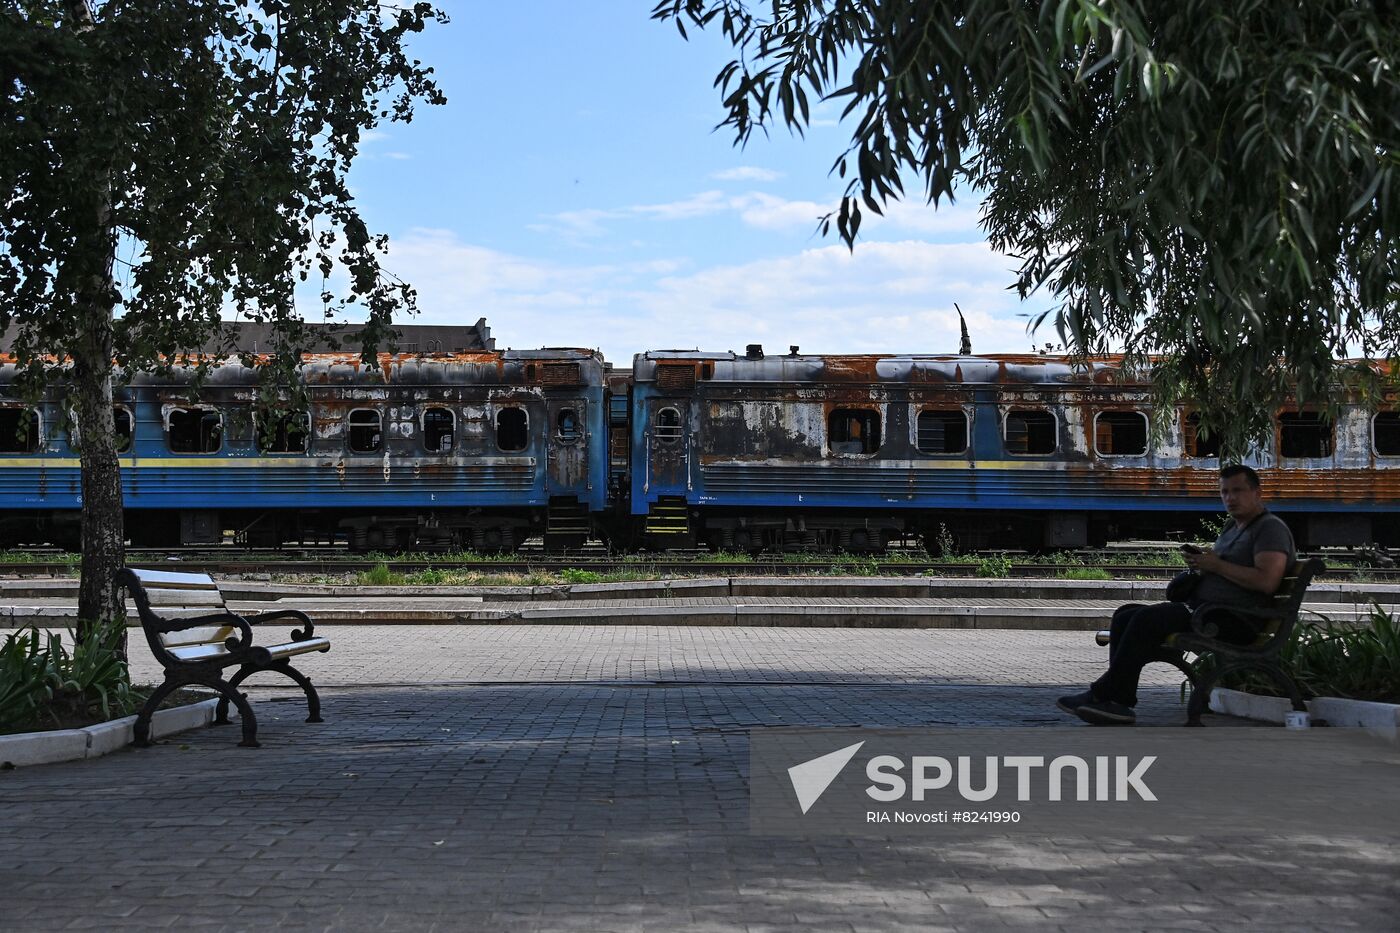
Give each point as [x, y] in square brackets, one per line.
[1030, 431]
[194, 430]
[853, 430]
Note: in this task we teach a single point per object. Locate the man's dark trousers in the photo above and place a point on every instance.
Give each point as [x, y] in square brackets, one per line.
[1137, 633]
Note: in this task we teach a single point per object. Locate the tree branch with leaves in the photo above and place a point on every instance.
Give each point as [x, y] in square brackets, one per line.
[214, 140]
[1210, 187]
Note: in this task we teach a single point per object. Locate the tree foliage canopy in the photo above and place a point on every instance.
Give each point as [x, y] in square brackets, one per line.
[213, 139]
[1213, 185]
[165, 161]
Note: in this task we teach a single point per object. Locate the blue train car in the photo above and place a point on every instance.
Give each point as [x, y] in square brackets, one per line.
[480, 449]
[852, 452]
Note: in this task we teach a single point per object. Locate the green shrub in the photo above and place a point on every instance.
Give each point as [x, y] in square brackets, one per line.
[94, 677]
[26, 678]
[998, 565]
[575, 575]
[43, 683]
[1328, 659]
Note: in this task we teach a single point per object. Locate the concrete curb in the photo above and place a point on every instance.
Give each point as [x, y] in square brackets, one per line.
[957, 587]
[1379, 719]
[42, 748]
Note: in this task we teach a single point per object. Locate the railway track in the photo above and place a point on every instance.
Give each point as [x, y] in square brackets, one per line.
[603, 566]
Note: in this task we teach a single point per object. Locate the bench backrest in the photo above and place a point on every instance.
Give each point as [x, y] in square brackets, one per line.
[1288, 598]
[158, 592]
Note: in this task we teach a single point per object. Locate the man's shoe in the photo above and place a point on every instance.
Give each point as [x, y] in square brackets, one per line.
[1074, 701]
[1106, 713]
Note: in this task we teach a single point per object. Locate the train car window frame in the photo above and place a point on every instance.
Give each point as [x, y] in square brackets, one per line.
[200, 448]
[1006, 437]
[668, 430]
[1112, 413]
[1376, 435]
[283, 432]
[523, 428]
[919, 432]
[10, 443]
[351, 427]
[450, 435]
[573, 432]
[1309, 422]
[869, 438]
[1191, 442]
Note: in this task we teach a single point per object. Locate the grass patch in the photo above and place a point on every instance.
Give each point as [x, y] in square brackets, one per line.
[1085, 573]
[35, 557]
[380, 575]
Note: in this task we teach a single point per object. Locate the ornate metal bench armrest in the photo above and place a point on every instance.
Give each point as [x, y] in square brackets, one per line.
[300, 634]
[163, 626]
[1202, 626]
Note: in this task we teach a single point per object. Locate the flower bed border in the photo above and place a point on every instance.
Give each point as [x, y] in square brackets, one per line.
[41, 748]
[1380, 719]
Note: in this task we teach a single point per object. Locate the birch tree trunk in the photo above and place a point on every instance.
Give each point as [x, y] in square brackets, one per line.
[104, 534]
[103, 530]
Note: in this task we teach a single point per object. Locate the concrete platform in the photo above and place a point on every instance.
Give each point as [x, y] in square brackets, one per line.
[855, 611]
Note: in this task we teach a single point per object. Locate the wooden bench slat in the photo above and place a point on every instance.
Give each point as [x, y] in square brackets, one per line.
[178, 598]
[204, 635]
[199, 652]
[152, 579]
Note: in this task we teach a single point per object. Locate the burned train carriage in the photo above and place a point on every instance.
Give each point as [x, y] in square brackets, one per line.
[851, 452]
[475, 450]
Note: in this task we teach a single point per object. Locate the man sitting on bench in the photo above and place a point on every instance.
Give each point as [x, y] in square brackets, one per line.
[1244, 568]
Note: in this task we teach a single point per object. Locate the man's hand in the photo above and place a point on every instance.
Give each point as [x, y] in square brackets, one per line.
[1264, 577]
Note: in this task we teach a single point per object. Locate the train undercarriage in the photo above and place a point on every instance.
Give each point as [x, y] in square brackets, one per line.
[674, 526]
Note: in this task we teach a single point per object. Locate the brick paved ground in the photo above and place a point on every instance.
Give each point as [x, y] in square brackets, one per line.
[562, 804]
[475, 654]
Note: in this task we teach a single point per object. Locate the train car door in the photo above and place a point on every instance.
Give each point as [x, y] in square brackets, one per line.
[669, 465]
[568, 446]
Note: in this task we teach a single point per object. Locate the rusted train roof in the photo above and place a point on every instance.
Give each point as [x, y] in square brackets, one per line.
[1019, 369]
[461, 368]
[1010, 369]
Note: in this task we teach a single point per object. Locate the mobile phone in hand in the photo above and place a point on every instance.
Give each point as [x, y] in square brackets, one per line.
[1191, 549]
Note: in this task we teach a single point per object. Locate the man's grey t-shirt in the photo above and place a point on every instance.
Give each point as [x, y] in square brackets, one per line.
[1239, 546]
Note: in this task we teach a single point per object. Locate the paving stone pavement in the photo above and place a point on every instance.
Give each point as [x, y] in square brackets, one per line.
[475, 654]
[561, 801]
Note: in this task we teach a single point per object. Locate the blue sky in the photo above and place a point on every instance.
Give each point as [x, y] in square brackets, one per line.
[574, 192]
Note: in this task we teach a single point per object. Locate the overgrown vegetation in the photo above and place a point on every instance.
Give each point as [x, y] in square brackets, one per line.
[40, 557]
[998, 565]
[1356, 662]
[1085, 573]
[44, 684]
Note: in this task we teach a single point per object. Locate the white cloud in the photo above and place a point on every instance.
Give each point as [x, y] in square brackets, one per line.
[747, 173]
[948, 222]
[888, 297]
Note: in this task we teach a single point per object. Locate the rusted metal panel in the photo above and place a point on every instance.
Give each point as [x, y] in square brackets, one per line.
[568, 444]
